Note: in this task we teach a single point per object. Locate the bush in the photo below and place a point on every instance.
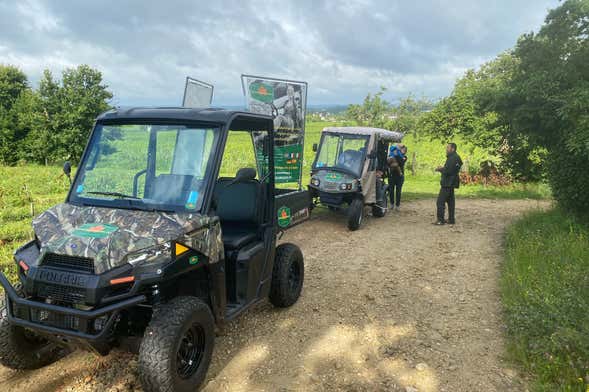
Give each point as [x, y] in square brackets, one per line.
[545, 291]
[569, 181]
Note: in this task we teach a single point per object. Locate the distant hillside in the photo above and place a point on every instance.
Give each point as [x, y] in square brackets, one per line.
[327, 108]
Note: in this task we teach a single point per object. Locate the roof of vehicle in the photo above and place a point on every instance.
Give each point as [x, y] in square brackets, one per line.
[209, 115]
[383, 133]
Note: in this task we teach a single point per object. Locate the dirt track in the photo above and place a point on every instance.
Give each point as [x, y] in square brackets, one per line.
[399, 305]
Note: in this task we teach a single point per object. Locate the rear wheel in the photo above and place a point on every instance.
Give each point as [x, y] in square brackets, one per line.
[288, 275]
[21, 348]
[177, 346]
[355, 214]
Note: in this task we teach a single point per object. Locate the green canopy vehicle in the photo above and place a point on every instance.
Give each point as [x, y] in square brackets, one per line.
[153, 247]
[350, 169]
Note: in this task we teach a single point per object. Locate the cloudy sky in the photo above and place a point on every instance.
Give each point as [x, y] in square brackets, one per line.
[344, 49]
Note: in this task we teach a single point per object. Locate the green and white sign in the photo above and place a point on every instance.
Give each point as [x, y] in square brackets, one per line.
[288, 161]
[262, 92]
[284, 216]
[333, 176]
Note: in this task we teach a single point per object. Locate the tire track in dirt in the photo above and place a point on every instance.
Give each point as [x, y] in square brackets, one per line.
[399, 305]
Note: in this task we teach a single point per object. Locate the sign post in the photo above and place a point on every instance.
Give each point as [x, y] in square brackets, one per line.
[286, 101]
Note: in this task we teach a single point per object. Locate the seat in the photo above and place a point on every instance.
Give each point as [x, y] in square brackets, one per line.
[238, 208]
[235, 237]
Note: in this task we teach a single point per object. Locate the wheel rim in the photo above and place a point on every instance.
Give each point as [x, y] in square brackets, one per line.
[294, 277]
[191, 351]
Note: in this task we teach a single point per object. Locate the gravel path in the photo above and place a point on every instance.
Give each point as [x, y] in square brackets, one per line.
[399, 305]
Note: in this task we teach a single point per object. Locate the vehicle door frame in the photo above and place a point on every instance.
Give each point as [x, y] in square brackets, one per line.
[248, 122]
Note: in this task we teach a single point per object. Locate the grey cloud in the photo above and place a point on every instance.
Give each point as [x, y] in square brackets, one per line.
[344, 48]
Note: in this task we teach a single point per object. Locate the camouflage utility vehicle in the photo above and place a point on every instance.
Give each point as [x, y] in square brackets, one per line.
[153, 248]
[350, 168]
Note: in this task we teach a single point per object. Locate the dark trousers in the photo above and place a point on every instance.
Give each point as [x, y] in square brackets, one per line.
[395, 188]
[446, 196]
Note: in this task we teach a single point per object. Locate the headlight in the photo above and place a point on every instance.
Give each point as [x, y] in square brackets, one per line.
[343, 186]
[315, 182]
[159, 254]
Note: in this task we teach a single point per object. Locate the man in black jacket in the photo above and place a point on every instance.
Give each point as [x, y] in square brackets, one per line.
[450, 181]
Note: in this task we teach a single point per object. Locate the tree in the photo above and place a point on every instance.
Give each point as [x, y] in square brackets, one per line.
[548, 99]
[474, 112]
[44, 134]
[407, 115]
[50, 124]
[13, 84]
[81, 97]
[373, 112]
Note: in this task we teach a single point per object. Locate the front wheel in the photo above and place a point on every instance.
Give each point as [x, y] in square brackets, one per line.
[288, 275]
[177, 346]
[355, 214]
[23, 349]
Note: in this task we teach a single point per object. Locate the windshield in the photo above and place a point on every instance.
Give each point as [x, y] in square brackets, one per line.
[342, 151]
[145, 166]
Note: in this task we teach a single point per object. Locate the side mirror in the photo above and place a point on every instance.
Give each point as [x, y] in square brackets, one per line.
[67, 170]
[315, 148]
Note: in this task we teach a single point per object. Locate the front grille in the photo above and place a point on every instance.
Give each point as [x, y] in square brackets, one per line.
[71, 263]
[60, 293]
[63, 321]
[331, 198]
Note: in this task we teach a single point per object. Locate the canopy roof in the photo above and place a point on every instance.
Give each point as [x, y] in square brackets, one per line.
[392, 136]
[210, 115]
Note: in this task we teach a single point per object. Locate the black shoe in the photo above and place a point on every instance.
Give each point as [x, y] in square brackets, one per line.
[439, 223]
[451, 222]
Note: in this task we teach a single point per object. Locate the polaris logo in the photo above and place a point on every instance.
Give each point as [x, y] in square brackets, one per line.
[62, 278]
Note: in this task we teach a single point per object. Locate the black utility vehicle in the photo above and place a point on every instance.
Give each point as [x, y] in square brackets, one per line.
[153, 248]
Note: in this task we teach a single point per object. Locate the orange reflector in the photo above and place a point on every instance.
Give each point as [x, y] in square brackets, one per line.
[23, 265]
[181, 249]
[126, 279]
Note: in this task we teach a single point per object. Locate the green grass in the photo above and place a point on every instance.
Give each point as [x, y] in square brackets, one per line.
[25, 191]
[424, 186]
[545, 291]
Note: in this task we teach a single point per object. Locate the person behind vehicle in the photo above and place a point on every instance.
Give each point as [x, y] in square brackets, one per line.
[449, 182]
[396, 160]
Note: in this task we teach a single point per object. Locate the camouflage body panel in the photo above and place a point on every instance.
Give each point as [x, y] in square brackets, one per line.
[108, 235]
[331, 180]
[206, 240]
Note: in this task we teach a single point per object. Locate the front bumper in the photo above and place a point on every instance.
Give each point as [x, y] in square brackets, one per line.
[62, 320]
[335, 199]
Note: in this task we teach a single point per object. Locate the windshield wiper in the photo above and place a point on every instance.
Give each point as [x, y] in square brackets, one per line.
[115, 194]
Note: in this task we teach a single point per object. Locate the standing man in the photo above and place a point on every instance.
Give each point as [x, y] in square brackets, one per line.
[450, 181]
[397, 174]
